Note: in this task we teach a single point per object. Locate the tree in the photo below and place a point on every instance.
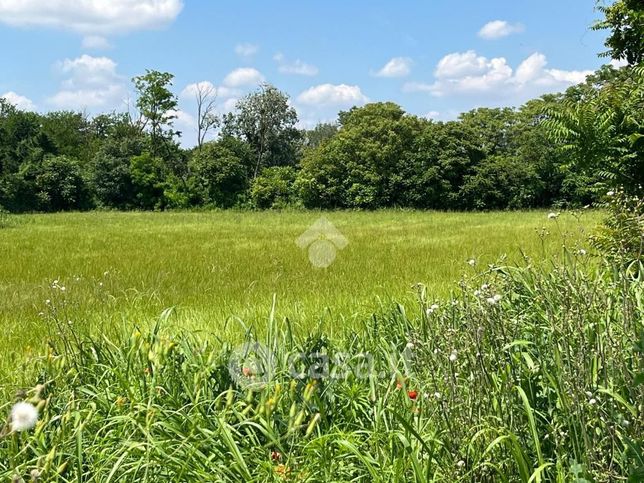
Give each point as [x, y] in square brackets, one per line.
[157, 106]
[57, 184]
[221, 172]
[625, 20]
[266, 121]
[363, 165]
[320, 133]
[207, 119]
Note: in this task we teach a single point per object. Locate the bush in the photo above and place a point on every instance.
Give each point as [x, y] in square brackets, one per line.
[621, 236]
[57, 183]
[274, 188]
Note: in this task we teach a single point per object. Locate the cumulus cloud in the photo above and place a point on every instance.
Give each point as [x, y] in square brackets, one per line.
[243, 76]
[499, 28]
[246, 49]
[95, 42]
[90, 16]
[21, 102]
[465, 73]
[329, 94]
[297, 67]
[90, 82]
[396, 67]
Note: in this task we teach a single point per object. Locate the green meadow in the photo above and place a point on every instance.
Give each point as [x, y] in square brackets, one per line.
[220, 271]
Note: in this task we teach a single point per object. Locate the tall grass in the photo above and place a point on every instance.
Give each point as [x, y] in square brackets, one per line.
[530, 372]
[128, 267]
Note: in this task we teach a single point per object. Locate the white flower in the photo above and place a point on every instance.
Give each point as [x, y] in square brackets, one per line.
[434, 307]
[491, 300]
[47, 301]
[410, 345]
[24, 416]
[592, 401]
[485, 286]
[477, 293]
[497, 297]
[453, 356]
[552, 216]
[471, 262]
[437, 395]
[429, 311]
[460, 464]
[610, 193]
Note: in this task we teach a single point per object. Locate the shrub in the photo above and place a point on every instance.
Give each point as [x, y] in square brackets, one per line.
[274, 188]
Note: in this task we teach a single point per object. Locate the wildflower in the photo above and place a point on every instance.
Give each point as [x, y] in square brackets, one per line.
[592, 401]
[485, 286]
[471, 262]
[460, 464]
[497, 298]
[276, 455]
[283, 471]
[477, 293]
[453, 356]
[582, 252]
[491, 300]
[412, 395]
[410, 345]
[553, 216]
[48, 301]
[24, 416]
[437, 395]
[610, 193]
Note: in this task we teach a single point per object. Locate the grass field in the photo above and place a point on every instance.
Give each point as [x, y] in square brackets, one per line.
[218, 266]
[523, 371]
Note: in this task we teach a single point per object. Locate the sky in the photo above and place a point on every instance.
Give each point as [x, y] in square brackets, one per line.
[436, 58]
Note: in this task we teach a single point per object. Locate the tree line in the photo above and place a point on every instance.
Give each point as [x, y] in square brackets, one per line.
[559, 149]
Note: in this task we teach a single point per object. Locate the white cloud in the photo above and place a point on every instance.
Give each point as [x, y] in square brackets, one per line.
[90, 82]
[21, 102]
[329, 94]
[90, 16]
[432, 115]
[243, 76]
[296, 67]
[246, 49]
[95, 42]
[499, 28]
[396, 67]
[618, 64]
[468, 73]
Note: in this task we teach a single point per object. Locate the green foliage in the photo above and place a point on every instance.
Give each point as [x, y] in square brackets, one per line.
[274, 188]
[57, 184]
[157, 106]
[221, 172]
[148, 180]
[266, 121]
[621, 236]
[625, 20]
[602, 132]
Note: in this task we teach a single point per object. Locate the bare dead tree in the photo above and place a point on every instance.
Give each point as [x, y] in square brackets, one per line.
[207, 119]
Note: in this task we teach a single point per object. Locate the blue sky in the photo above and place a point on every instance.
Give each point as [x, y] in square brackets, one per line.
[435, 58]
